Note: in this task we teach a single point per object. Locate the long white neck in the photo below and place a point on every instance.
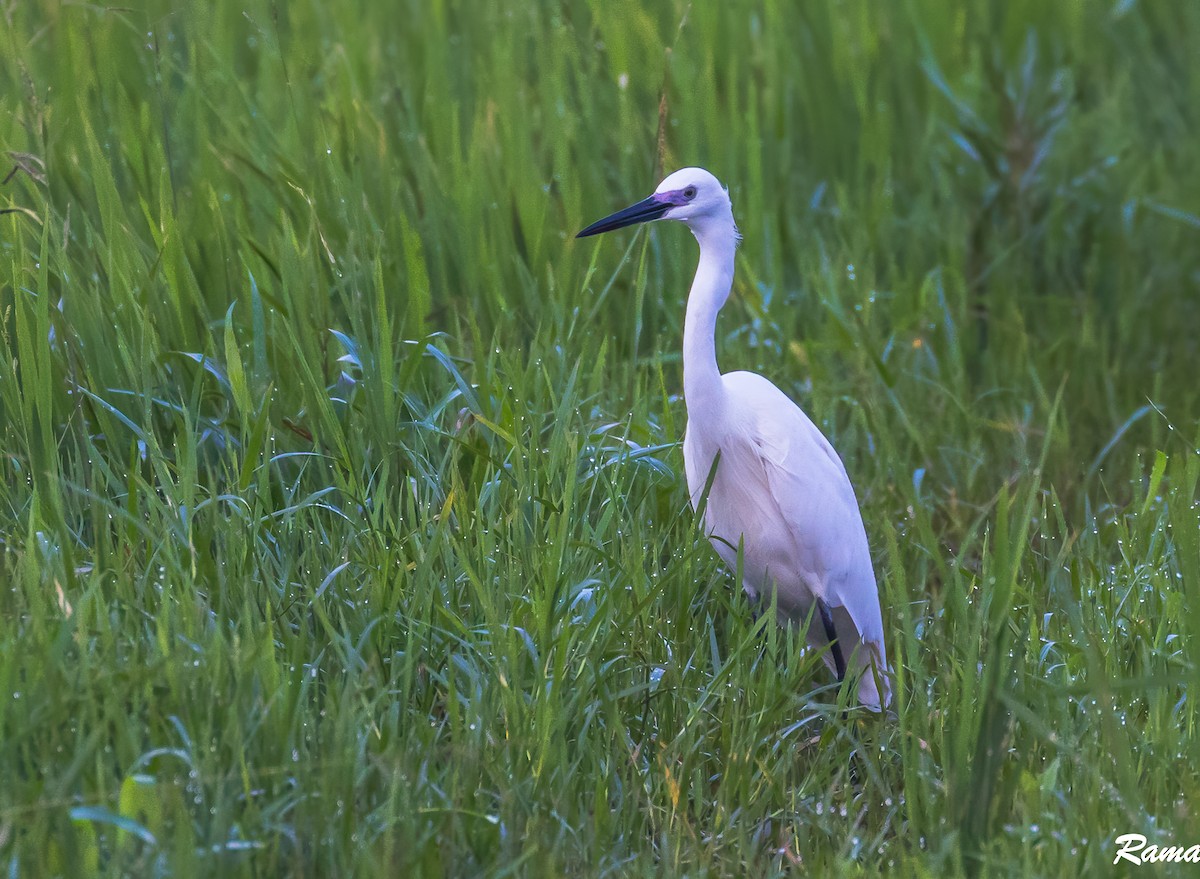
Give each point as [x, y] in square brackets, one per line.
[702, 387]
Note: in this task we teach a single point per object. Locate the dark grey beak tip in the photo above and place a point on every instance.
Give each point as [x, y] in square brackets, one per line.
[645, 210]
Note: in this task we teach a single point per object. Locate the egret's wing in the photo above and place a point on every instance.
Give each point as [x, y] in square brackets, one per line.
[810, 487]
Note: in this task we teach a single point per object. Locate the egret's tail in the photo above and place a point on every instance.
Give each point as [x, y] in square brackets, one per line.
[875, 684]
[865, 660]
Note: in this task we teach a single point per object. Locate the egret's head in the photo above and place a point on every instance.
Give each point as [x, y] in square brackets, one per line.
[690, 195]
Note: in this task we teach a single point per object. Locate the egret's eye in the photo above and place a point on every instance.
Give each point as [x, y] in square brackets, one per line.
[689, 193]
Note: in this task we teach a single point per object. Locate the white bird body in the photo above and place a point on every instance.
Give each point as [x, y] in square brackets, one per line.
[803, 534]
[778, 489]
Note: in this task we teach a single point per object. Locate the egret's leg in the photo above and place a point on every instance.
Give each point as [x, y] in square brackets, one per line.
[839, 663]
[839, 660]
[756, 602]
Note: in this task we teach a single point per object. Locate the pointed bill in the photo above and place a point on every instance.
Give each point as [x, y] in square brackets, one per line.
[651, 208]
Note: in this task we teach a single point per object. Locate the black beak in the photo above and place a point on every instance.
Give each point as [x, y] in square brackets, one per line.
[646, 209]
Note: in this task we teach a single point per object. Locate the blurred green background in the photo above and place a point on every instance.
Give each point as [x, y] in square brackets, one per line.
[342, 520]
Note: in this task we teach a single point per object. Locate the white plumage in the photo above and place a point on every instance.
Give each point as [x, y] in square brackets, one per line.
[779, 489]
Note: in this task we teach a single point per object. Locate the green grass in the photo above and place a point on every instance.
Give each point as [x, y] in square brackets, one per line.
[343, 529]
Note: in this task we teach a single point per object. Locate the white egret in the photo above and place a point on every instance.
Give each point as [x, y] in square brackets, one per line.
[779, 490]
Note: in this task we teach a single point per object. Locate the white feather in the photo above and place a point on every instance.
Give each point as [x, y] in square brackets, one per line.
[781, 490]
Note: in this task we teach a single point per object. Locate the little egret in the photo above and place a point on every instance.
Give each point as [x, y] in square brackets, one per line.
[778, 490]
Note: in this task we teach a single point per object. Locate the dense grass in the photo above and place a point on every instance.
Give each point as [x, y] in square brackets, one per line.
[342, 521]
